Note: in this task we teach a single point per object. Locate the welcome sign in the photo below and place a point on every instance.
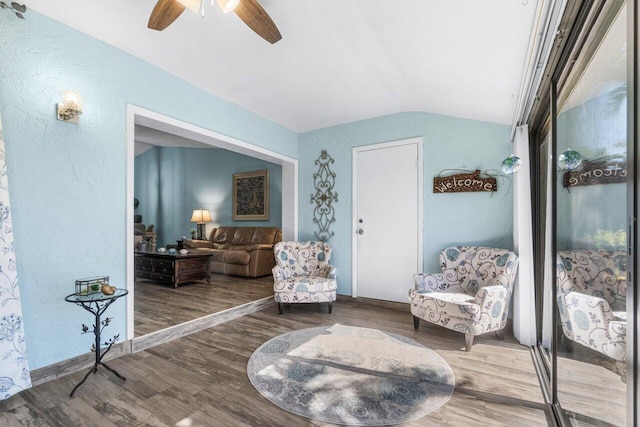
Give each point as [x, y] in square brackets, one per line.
[464, 182]
[594, 173]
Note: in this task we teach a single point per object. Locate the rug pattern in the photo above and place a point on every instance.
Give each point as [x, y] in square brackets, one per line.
[351, 375]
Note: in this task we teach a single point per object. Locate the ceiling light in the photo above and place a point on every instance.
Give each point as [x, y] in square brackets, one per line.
[197, 6]
[227, 6]
[193, 5]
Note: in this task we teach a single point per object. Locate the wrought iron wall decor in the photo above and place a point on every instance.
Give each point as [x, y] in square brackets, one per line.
[324, 180]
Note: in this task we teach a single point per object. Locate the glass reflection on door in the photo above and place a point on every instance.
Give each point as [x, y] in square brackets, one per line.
[591, 238]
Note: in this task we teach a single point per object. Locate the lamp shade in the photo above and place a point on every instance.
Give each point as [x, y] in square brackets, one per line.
[201, 215]
[193, 5]
[228, 5]
[72, 101]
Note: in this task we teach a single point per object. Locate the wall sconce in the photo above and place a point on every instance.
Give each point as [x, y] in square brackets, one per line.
[71, 107]
[569, 159]
[511, 164]
[200, 216]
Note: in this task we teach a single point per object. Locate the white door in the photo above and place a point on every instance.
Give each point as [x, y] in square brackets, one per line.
[388, 219]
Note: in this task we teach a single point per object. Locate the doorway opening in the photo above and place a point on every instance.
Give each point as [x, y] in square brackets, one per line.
[149, 119]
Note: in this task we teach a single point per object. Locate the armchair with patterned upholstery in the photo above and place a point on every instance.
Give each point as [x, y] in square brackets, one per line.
[302, 273]
[471, 295]
[592, 288]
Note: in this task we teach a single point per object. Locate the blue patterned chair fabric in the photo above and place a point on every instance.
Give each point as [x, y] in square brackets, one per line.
[302, 273]
[471, 295]
[592, 289]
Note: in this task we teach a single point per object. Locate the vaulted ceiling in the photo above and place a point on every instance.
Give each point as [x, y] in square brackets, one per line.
[338, 61]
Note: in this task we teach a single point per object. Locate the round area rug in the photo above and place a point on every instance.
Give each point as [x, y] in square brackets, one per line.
[349, 375]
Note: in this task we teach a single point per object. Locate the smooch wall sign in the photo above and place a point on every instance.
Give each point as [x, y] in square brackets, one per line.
[594, 173]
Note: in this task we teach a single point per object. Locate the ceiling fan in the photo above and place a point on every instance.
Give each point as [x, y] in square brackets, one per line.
[250, 11]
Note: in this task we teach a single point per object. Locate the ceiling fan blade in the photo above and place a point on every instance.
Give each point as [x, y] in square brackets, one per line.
[164, 13]
[258, 20]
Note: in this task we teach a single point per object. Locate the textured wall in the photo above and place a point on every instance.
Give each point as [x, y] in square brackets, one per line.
[68, 182]
[449, 143]
[171, 182]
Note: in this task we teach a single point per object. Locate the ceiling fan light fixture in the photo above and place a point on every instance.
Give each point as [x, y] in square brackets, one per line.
[193, 5]
[227, 6]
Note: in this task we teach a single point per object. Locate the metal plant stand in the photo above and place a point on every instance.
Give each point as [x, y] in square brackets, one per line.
[97, 304]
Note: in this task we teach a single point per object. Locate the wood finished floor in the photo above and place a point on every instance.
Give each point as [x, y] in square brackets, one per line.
[158, 306]
[580, 381]
[201, 380]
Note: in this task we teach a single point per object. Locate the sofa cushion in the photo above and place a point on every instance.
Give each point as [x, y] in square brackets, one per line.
[264, 235]
[452, 304]
[305, 284]
[237, 257]
[224, 234]
[242, 236]
[217, 255]
[195, 244]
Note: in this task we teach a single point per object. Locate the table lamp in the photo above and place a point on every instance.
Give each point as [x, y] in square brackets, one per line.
[200, 216]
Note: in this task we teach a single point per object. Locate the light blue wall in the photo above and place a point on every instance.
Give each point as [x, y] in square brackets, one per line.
[171, 182]
[449, 143]
[596, 128]
[67, 182]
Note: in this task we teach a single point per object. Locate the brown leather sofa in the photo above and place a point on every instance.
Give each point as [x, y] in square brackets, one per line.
[239, 251]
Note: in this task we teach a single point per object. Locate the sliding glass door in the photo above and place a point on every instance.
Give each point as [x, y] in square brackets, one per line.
[584, 281]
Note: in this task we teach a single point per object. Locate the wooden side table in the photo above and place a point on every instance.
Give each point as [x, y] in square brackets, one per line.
[97, 304]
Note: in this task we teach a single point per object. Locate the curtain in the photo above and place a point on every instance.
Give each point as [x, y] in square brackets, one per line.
[524, 320]
[14, 367]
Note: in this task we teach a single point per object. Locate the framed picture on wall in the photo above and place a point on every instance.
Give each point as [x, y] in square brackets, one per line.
[251, 196]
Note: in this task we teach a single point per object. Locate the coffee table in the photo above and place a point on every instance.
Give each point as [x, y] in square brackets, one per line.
[172, 269]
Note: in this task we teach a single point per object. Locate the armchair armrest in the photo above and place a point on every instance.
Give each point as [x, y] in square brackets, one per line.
[329, 271]
[279, 273]
[487, 297]
[563, 280]
[259, 246]
[430, 282]
[618, 331]
[587, 311]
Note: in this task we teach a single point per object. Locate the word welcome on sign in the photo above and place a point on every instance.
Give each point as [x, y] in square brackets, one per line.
[464, 182]
[593, 173]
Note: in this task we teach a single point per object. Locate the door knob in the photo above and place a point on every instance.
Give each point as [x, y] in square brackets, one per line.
[360, 231]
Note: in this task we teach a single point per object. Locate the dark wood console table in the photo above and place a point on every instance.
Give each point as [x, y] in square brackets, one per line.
[172, 269]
